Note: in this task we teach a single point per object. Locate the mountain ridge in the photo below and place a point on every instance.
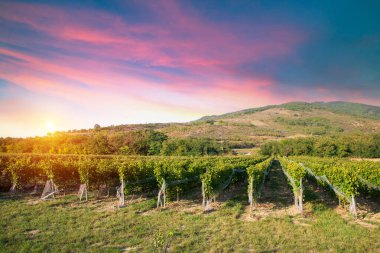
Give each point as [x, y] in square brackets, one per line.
[340, 107]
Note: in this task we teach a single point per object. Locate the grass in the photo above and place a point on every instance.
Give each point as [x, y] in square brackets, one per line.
[64, 225]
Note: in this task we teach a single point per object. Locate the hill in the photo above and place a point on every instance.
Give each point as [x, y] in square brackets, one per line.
[280, 121]
[353, 109]
[239, 130]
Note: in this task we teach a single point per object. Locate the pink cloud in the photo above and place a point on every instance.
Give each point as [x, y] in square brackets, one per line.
[194, 43]
[186, 67]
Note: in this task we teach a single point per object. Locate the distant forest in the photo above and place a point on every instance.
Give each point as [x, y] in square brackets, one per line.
[358, 145]
[151, 142]
[138, 142]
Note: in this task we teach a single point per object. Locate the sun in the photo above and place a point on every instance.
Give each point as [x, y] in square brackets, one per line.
[49, 126]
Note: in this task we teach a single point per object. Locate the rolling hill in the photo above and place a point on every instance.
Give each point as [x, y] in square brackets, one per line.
[243, 129]
[353, 109]
[282, 121]
[255, 125]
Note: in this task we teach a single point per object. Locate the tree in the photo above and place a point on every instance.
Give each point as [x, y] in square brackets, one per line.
[325, 147]
[99, 144]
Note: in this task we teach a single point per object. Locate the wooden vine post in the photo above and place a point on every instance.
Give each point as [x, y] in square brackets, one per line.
[49, 190]
[121, 194]
[343, 197]
[84, 167]
[353, 207]
[206, 200]
[13, 189]
[83, 191]
[121, 168]
[13, 166]
[161, 198]
[203, 194]
[257, 174]
[206, 197]
[294, 172]
[250, 193]
[300, 196]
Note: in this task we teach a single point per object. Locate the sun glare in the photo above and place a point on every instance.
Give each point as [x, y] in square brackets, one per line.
[49, 126]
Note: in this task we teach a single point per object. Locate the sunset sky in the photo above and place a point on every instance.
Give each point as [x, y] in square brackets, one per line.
[69, 65]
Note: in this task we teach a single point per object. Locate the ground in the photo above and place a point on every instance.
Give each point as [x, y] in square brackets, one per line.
[65, 225]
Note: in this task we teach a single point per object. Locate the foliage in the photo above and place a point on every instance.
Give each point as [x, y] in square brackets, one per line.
[256, 174]
[219, 171]
[330, 146]
[341, 173]
[101, 142]
[180, 173]
[85, 165]
[295, 170]
[192, 147]
[5, 179]
[369, 171]
[18, 169]
[46, 166]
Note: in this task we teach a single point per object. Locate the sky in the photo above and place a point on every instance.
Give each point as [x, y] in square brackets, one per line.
[72, 64]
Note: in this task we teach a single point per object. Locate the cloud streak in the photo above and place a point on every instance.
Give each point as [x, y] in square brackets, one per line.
[172, 59]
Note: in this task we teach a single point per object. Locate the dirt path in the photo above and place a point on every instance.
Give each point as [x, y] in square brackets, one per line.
[276, 198]
[318, 195]
[276, 189]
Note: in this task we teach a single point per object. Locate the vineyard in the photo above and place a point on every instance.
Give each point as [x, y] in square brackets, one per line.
[172, 175]
[175, 175]
[347, 179]
[165, 181]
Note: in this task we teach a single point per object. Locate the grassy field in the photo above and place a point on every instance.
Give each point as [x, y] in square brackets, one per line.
[64, 225]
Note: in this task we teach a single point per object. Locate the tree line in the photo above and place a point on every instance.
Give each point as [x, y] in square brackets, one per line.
[355, 145]
[135, 142]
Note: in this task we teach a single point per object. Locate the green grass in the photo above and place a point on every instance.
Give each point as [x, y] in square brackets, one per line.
[64, 225]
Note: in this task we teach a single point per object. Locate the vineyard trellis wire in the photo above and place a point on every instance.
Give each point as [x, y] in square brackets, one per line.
[257, 175]
[219, 176]
[214, 174]
[337, 191]
[369, 185]
[294, 174]
[340, 175]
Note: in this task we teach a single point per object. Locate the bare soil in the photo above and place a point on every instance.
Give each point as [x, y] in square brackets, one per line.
[276, 198]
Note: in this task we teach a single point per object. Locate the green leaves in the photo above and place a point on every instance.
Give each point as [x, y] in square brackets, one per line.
[85, 165]
[343, 173]
[294, 169]
[256, 174]
[137, 171]
[220, 169]
[17, 167]
[47, 166]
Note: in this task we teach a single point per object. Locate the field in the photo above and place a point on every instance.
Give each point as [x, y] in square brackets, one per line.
[64, 224]
[189, 126]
